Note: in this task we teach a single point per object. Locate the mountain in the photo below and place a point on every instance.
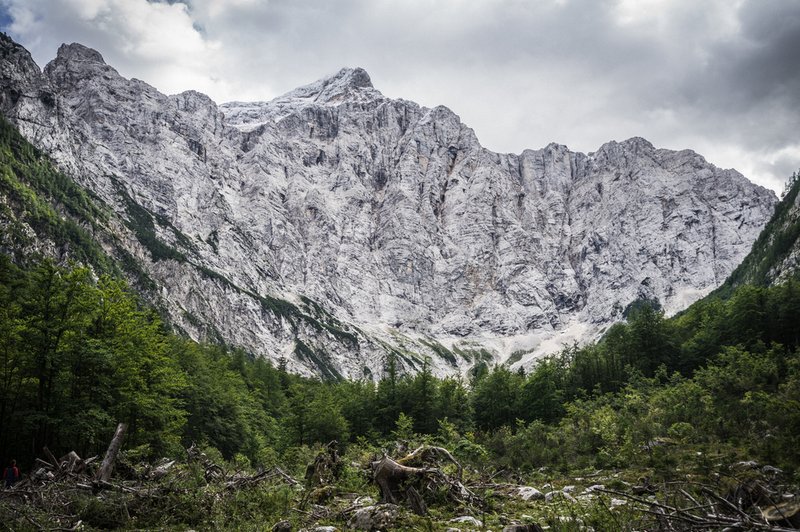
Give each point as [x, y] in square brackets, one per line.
[332, 226]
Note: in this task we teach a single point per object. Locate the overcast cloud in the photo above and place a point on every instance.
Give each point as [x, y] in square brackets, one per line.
[721, 77]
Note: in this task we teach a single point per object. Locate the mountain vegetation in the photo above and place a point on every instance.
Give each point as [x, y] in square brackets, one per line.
[80, 354]
[777, 242]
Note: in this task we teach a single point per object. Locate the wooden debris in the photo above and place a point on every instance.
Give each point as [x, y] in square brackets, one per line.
[713, 513]
[104, 473]
[72, 463]
[51, 487]
[391, 477]
[160, 471]
[46, 465]
[212, 471]
[783, 514]
[429, 455]
[415, 501]
[50, 456]
[241, 481]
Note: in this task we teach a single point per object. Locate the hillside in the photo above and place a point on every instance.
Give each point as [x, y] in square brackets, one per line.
[775, 256]
[659, 414]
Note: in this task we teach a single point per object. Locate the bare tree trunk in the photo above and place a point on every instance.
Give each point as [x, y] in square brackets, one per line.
[104, 473]
[427, 453]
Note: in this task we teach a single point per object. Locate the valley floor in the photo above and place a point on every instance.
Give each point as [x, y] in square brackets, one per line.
[680, 487]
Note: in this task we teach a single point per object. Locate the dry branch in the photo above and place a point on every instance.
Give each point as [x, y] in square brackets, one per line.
[52, 458]
[716, 514]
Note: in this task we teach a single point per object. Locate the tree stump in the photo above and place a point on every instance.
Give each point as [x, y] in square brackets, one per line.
[402, 483]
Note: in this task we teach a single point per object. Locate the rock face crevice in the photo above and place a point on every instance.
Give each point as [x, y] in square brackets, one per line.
[388, 216]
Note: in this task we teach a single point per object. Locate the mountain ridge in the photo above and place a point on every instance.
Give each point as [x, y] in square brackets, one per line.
[390, 217]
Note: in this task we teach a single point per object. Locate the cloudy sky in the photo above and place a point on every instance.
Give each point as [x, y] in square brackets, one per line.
[721, 77]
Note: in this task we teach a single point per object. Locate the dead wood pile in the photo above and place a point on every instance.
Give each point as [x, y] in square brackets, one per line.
[52, 488]
[418, 477]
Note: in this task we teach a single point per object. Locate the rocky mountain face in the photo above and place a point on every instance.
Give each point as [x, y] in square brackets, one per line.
[333, 226]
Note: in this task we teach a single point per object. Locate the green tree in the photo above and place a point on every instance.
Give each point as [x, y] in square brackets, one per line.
[56, 304]
[541, 396]
[359, 406]
[387, 395]
[314, 415]
[146, 381]
[496, 399]
[422, 396]
[454, 403]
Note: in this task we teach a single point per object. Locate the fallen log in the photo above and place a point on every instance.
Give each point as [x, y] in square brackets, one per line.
[46, 465]
[242, 481]
[287, 478]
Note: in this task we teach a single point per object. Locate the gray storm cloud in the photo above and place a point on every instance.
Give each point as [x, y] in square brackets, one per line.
[720, 77]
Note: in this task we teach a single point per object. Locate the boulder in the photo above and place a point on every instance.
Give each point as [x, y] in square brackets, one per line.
[377, 517]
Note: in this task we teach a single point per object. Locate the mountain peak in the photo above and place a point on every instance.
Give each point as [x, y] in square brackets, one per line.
[356, 78]
[347, 84]
[78, 52]
[638, 142]
[633, 144]
[17, 64]
[8, 42]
